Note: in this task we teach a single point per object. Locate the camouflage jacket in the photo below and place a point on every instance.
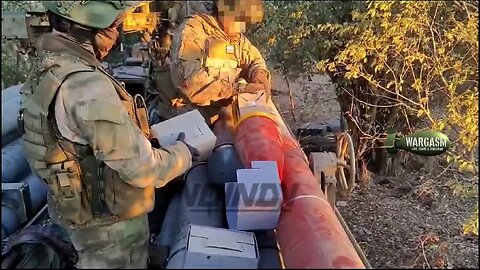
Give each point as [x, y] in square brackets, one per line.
[206, 62]
[77, 116]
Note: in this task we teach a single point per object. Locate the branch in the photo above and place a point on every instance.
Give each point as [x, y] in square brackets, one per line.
[443, 172]
[423, 251]
[386, 90]
[431, 31]
[290, 96]
[350, 117]
[406, 119]
[369, 104]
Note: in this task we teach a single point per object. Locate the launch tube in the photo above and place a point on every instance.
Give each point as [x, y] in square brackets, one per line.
[259, 139]
[309, 233]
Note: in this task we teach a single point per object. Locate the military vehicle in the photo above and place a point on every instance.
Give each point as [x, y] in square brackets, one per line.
[309, 230]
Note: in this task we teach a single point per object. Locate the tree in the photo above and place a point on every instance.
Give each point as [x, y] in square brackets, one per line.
[291, 31]
[409, 65]
[396, 64]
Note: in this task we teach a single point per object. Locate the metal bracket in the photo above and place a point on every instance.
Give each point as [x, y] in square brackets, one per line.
[24, 25]
[17, 196]
[324, 166]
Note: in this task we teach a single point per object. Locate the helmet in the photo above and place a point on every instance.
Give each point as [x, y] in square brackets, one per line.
[250, 11]
[94, 14]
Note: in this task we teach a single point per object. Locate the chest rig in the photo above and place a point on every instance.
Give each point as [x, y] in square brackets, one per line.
[222, 53]
[220, 56]
[83, 191]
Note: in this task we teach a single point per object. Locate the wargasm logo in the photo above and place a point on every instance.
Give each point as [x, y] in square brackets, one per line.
[425, 143]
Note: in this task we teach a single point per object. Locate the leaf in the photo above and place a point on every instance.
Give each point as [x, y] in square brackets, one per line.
[420, 112]
[360, 54]
[440, 125]
[390, 84]
[271, 41]
[466, 167]
[417, 85]
[321, 66]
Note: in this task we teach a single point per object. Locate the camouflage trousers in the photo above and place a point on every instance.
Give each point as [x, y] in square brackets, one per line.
[122, 245]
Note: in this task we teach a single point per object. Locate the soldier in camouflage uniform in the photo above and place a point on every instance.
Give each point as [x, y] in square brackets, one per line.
[209, 54]
[89, 139]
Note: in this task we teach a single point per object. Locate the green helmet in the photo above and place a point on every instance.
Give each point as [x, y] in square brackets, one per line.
[95, 14]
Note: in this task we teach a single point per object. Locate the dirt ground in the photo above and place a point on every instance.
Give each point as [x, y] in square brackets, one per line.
[322, 107]
[410, 221]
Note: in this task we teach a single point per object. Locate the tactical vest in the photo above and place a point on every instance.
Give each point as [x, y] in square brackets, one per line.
[84, 192]
[220, 55]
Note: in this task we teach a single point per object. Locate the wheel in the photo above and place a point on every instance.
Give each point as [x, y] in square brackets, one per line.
[346, 160]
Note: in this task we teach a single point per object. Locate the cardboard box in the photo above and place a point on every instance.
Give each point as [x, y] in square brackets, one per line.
[248, 103]
[254, 202]
[203, 247]
[197, 132]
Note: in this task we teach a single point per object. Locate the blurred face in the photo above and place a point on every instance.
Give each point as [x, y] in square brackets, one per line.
[231, 26]
[235, 15]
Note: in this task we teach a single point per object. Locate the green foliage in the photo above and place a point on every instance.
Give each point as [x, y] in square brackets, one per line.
[21, 5]
[471, 226]
[463, 189]
[15, 66]
[416, 58]
[291, 31]
[403, 64]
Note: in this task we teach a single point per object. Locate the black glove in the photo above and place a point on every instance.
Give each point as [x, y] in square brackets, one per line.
[154, 142]
[194, 151]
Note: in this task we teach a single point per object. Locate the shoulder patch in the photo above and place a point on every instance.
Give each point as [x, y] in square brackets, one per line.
[99, 110]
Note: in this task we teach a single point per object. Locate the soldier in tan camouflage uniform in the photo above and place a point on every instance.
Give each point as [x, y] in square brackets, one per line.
[88, 138]
[209, 55]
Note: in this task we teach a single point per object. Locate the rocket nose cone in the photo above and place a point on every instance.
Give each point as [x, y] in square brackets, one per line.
[223, 164]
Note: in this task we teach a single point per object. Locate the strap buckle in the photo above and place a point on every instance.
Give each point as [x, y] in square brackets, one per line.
[21, 121]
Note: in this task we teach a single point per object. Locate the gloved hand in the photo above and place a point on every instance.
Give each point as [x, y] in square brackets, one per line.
[155, 143]
[194, 151]
[241, 86]
[261, 76]
[251, 88]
